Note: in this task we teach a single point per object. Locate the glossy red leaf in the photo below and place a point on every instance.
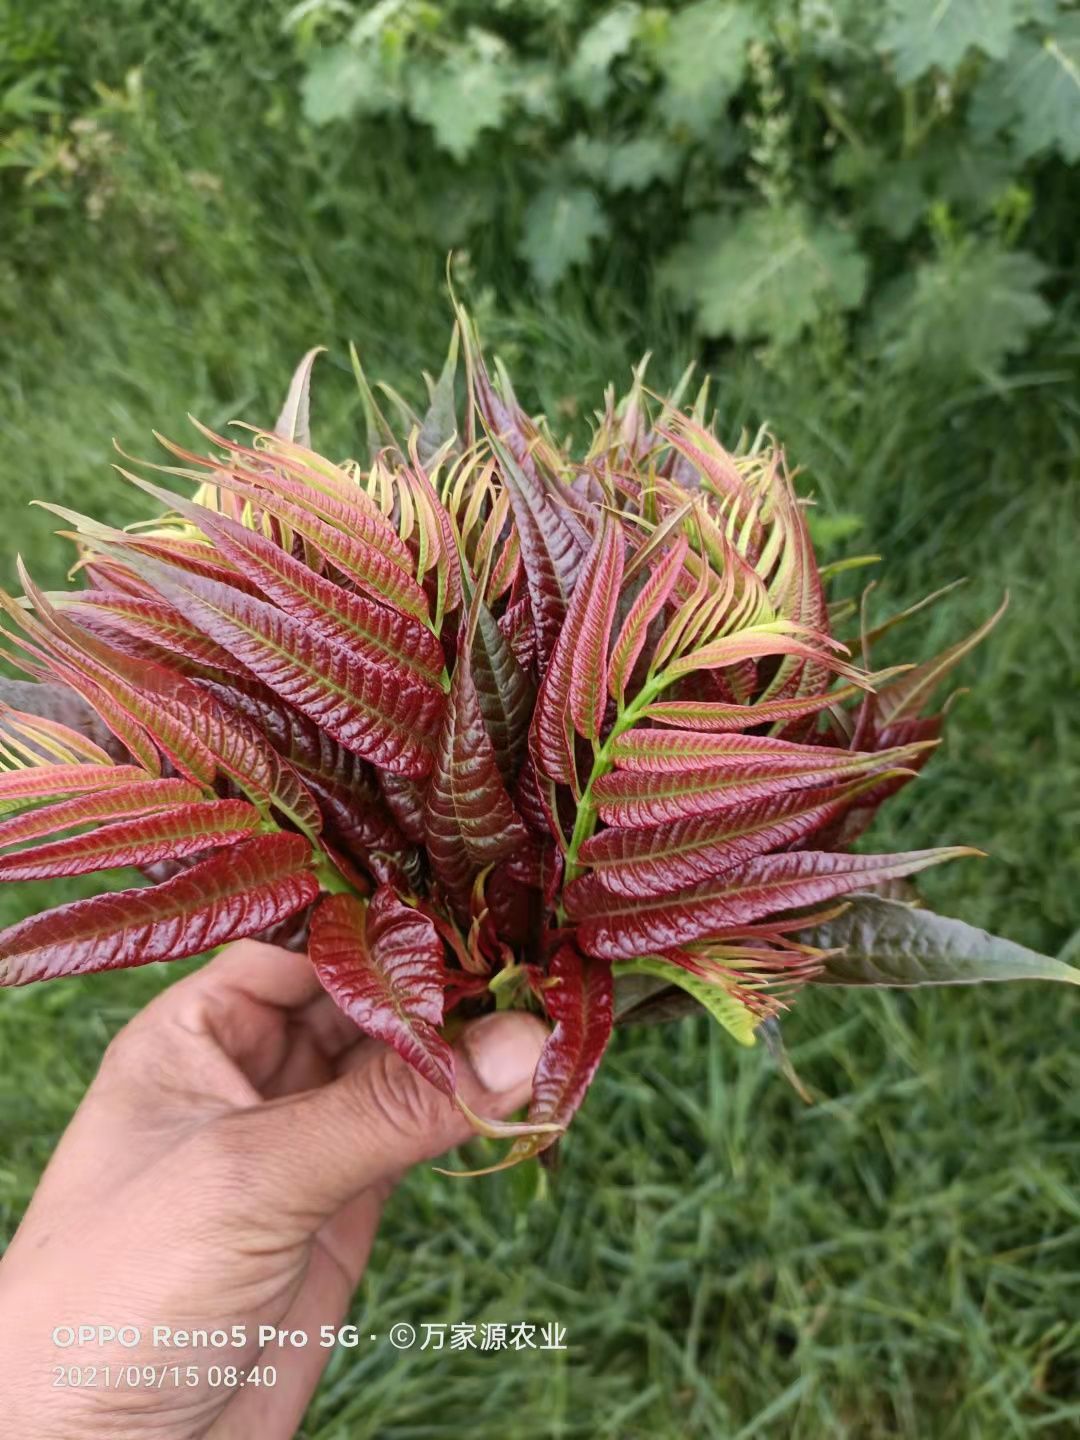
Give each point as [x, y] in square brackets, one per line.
[117, 616]
[240, 892]
[164, 835]
[578, 995]
[598, 590]
[111, 804]
[661, 859]
[359, 704]
[615, 928]
[573, 692]
[50, 782]
[343, 527]
[469, 820]
[552, 548]
[108, 680]
[716, 715]
[190, 726]
[655, 795]
[383, 963]
[671, 751]
[378, 633]
[648, 604]
[505, 692]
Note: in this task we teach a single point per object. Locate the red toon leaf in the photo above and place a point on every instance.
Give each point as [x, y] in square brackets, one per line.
[649, 603]
[660, 859]
[573, 692]
[384, 965]
[363, 706]
[145, 840]
[579, 996]
[469, 819]
[250, 887]
[616, 928]
[551, 548]
[125, 800]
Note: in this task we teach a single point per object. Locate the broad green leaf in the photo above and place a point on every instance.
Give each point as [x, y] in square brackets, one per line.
[702, 59]
[968, 311]
[624, 165]
[561, 225]
[766, 272]
[883, 942]
[343, 81]
[924, 35]
[606, 39]
[732, 1014]
[463, 95]
[1035, 92]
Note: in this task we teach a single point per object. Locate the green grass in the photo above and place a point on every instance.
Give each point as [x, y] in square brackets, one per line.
[898, 1260]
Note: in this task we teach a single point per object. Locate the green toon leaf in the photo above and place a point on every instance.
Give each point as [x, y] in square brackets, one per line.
[732, 1014]
[886, 943]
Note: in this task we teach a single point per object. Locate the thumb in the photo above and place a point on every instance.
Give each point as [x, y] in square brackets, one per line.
[315, 1151]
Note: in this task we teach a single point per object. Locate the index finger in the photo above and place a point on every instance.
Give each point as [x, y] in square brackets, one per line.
[266, 974]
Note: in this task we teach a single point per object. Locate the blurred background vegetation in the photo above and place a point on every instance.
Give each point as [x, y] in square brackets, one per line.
[861, 216]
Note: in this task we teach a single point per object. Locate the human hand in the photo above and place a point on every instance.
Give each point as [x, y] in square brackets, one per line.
[227, 1167]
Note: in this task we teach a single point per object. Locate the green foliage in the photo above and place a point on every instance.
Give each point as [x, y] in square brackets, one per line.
[560, 228]
[766, 272]
[922, 37]
[968, 310]
[702, 61]
[1034, 94]
[782, 162]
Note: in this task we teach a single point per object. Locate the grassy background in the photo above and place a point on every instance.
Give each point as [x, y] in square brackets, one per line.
[901, 1258]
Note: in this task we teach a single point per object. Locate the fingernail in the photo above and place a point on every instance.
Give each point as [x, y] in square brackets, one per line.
[503, 1050]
